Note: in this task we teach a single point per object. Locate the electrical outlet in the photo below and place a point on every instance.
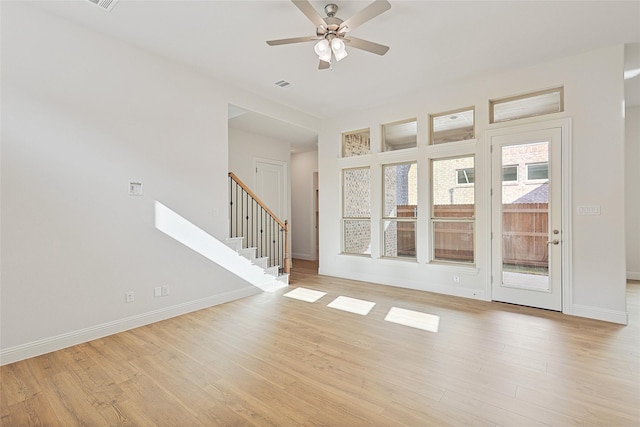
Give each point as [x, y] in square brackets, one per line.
[130, 297]
[157, 291]
[165, 291]
[456, 279]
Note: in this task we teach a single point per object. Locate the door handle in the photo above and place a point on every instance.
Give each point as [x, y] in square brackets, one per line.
[553, 242]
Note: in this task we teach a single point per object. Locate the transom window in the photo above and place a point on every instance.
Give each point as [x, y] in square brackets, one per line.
[400, 135]
[356, 143]
[528, 105]
[457, 125]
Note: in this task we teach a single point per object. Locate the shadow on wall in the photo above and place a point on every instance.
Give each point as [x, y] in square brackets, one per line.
[182, 230]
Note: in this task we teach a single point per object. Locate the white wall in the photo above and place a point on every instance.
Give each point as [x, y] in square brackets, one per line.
[82, 115]
[632, 167]
[593, 99]
[303, 166]
[246, 147]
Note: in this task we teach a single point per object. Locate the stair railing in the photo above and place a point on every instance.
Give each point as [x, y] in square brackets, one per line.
[250, 218]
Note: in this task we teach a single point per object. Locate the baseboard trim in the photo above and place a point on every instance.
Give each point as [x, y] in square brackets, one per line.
[613, 316]
[437, 288]
[306, 257]
[632, 275]
[58, 342]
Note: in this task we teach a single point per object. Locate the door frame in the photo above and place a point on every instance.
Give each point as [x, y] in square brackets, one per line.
[565, 125]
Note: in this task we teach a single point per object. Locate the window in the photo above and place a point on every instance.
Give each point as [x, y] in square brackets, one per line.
[400, 135]
[510, 173]
[529, 105]
[537, 171]
[356, 211]
[356, 143]
[400, 199]
[466, 176]
[453, 210]
[452, 126]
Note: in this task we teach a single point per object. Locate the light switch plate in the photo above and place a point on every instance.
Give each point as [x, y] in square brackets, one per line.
[589, 210]
[135, 188]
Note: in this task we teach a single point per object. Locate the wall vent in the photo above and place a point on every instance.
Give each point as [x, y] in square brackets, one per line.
[282, 83]
[104, 4]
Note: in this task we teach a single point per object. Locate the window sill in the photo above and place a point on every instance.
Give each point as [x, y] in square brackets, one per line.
[401, 259]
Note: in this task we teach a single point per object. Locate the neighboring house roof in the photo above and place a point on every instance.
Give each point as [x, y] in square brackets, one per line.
[538, 195]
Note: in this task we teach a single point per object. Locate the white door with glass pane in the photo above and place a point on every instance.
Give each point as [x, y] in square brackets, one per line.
[527, 239]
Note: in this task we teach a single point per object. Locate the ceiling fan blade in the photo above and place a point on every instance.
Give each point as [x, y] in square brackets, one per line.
[366, 14]
[313, 15]
[378, 49]
[291, 40]
[324, 65]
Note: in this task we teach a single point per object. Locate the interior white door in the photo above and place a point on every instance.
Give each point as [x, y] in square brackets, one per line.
[526, 182]
[270, 185]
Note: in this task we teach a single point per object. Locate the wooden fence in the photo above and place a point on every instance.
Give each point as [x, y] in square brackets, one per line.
[524, 228]
[525, 233]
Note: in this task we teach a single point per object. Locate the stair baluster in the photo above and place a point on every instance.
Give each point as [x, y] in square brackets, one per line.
[259, 226]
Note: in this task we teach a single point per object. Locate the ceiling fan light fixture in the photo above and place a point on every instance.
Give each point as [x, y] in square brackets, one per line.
[339, 48]
[322, 50]
[337, 45]
[331, 31]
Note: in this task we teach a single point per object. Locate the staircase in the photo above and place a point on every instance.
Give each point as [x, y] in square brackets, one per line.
[257, 234]
[278, 281]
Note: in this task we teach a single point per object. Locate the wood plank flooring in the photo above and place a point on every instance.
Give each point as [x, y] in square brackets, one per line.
[268, 360]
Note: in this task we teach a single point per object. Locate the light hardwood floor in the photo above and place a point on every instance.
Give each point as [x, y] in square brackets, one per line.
[268, 360]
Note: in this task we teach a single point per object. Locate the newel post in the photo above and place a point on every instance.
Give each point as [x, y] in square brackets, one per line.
[287, 263]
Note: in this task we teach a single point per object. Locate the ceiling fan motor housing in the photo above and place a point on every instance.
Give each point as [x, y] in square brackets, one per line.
[331, 9]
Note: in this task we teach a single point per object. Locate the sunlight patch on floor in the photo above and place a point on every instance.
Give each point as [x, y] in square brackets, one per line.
[413, 319]
[304, 294]
[352, 305]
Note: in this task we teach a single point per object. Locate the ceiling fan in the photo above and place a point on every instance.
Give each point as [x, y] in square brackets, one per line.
[332, 32]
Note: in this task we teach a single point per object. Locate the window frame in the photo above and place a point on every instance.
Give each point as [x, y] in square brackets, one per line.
[537, 180]
[398, 219]
[512, 181]
[464, 184]
[344, 219]
[433, 219]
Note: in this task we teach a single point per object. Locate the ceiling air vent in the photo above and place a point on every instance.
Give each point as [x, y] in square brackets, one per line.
[282, 83]
[104, 4]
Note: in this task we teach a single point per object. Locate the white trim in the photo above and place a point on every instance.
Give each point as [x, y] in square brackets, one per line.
[398, 156]
[567, 209]
[58, 342]
[451, 149]
[633, 275]
[355, 161]
[597, 313]
[315, 206]
[439, 288]
[306, 257]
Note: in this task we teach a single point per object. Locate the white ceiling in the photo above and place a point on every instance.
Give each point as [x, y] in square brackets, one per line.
[432, 43]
